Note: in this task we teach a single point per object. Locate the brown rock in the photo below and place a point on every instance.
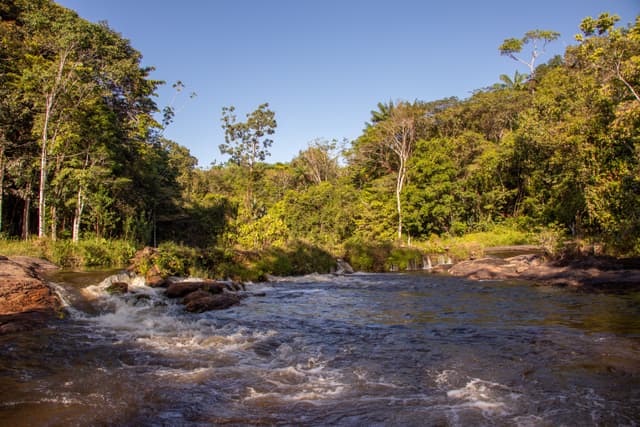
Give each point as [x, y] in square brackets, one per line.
[211, 302]
[153, 278]
[593, 274]
[180, 289]
[117, 288]
[26, 300]
[195, 295]
[483, 269]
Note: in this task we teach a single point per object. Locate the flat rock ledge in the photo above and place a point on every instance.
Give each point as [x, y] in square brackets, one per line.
[27, 301]
[593, 274]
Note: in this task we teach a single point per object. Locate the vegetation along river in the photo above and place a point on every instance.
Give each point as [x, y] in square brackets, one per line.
[364, 349]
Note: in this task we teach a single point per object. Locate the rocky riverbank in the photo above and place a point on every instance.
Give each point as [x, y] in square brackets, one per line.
[588, 273]
[27, 301]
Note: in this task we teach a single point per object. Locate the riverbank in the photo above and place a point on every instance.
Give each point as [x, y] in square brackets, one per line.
[27, 301]
[590, 273]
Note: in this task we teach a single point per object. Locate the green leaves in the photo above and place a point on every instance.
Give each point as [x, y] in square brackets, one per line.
[248, 142]
[537, 39]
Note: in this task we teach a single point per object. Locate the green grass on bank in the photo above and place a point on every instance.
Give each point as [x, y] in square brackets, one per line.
[294, 258]
[65, 253]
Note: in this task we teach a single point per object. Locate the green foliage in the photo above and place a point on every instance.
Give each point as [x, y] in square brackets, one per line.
[366, 255]
[537, 39]
[404, 259]
[538, 157]
[65, 253]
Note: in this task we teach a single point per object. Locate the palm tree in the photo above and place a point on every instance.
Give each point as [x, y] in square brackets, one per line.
[383, 113]
[517, 83]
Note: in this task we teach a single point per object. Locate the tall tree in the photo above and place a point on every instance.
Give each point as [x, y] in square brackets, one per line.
[537, 39]
[318, 162]
[396, 136]
[248, 142]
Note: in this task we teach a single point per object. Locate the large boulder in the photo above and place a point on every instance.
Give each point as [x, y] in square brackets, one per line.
[587, 273]
[154, 278]
[27, 301]
[180, 289]
[491, 268]
[202, 301]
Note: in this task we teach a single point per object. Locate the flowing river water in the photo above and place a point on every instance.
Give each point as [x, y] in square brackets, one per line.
[356, 350]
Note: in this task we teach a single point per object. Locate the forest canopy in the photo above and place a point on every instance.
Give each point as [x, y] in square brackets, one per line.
[82, 151]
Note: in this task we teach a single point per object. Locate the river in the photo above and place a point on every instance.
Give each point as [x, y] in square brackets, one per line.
[358, 350]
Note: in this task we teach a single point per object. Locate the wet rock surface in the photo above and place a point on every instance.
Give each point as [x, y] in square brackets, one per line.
[201, 301]
[27, 301]
[589, 273]
[180, 289]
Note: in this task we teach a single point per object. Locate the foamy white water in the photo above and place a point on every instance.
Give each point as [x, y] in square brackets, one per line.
[364, 349]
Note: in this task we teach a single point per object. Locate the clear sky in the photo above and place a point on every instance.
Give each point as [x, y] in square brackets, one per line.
[323, 65]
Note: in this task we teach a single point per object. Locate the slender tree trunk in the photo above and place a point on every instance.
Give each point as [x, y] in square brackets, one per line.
[80, 201]
[43, 167]
[78, 216]
[1, 183]
[57, 194]
[399, 185]
[49, 108]
[626, 83]
[25, 212]
[54, 223]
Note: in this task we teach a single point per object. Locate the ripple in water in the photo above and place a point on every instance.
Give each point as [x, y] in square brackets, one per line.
[366, 349]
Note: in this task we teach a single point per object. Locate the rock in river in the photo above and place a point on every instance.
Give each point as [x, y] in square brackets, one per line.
[27, 301]
[201, 301]
[180, 289]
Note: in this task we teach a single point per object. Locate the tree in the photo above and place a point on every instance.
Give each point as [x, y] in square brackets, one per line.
[516, 83]
[539, 39]
[613, 53]
[248, 142]
[318, 162]
[391, 141]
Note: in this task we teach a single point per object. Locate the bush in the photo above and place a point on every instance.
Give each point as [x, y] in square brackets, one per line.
[367, 256]
[404, 259]
[65, 253]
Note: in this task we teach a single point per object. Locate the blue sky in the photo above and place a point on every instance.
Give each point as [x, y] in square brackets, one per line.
[323, 65]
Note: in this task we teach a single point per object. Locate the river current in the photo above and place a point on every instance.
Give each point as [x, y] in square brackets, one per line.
[357, 350]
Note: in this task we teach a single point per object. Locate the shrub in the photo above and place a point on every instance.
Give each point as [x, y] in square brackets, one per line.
[367, 256]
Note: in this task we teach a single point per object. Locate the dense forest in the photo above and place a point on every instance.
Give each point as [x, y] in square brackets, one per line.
[82, 151]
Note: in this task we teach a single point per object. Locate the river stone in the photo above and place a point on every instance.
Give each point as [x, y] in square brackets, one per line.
[180, 289]
[117, 288]
[482, 269]
[26, 299]
[211, 302]
[153, 278]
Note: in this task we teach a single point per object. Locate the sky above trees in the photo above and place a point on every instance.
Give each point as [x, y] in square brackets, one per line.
[324, 65]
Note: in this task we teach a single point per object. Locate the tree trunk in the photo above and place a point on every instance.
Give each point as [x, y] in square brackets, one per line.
[78, 216]
[54, 223]
[1, 183]
[57, 195]
[49, 108]
[43, 167]
[25, 212]
[402, 173]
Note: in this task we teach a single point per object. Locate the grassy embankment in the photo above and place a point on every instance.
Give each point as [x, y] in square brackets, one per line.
[296, 258]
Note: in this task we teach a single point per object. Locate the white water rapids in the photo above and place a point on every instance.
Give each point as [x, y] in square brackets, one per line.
[362, 349]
